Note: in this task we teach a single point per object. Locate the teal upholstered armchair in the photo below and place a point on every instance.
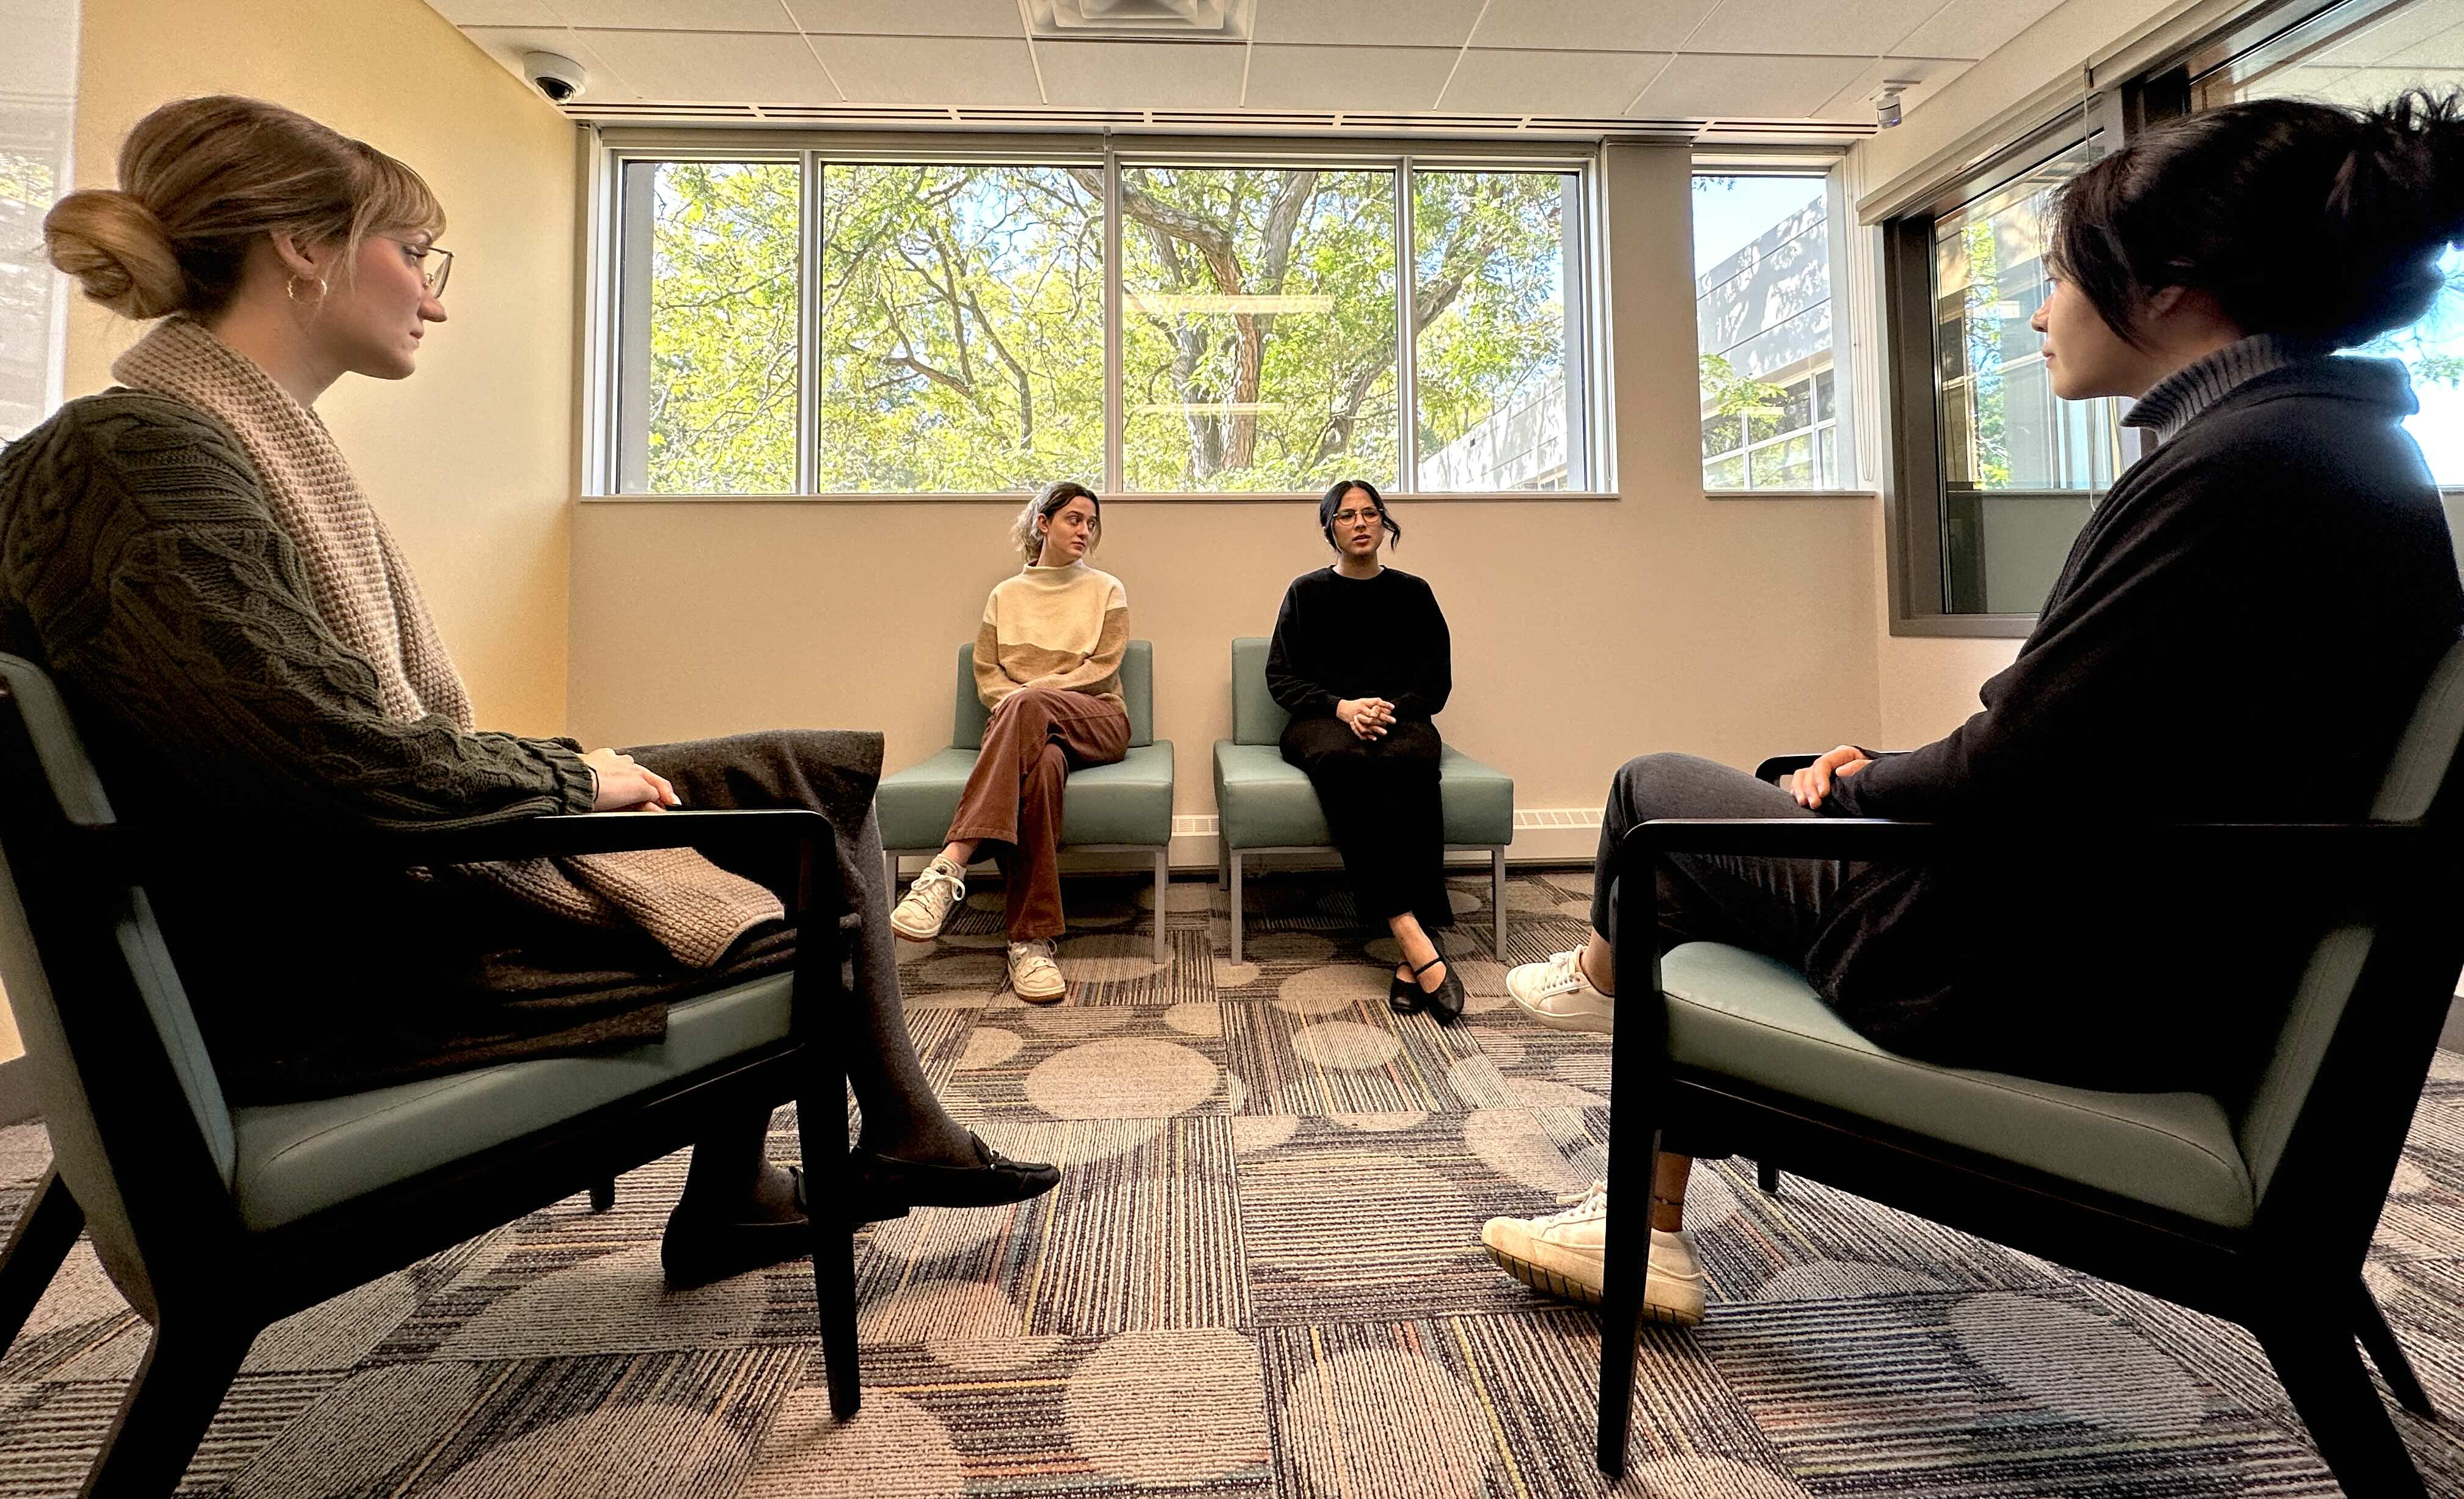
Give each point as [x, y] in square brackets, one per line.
[217, 1221]
[1123, 808]
[1265, 805]
[2257, 1207]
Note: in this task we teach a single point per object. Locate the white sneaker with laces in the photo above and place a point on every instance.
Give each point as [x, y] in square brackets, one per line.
[1556, 993]
[1033, 975]
[930, 901]
[1564, 1255]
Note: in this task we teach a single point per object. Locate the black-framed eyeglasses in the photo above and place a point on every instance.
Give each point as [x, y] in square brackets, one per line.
[1345, 517]
[436, 264]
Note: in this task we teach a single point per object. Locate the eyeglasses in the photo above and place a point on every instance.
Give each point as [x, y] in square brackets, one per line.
[1345, 517]
[436, 264]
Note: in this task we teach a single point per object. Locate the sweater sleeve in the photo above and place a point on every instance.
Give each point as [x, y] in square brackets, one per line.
[137, 541]
[1425, 696]
[992, 683]
[1101, 670]
[1291, 688]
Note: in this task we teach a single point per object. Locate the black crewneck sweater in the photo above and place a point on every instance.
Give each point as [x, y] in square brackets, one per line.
[1338, 638]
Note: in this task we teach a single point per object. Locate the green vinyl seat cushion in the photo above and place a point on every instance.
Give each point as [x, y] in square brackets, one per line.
[1745, 1016]
[1264, 803]
[1127, 802]
[295, 1158]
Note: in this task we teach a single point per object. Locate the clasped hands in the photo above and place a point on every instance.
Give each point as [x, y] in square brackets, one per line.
[625, 786]
[1367, 717]
[1811, 785]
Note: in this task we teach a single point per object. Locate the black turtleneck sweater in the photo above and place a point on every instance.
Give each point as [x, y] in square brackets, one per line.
[1338, 638]
[2239, 635]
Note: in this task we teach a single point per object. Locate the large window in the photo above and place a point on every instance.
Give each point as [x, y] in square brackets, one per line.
[1762, 321]
[36, 115]
[799, 324]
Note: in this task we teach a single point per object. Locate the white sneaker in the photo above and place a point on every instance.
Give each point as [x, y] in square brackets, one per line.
[1033, 976]
[1556, 993]
[930, 901]
[1564, 1255]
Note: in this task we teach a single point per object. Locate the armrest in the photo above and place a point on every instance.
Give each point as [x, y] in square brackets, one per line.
[583, 832]
[1869, 838]
[1779, 766]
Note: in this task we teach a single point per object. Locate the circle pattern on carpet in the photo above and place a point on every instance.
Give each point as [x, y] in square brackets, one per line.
[1123, 1078]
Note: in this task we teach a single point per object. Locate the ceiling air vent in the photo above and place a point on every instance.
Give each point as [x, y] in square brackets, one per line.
[1165, 20]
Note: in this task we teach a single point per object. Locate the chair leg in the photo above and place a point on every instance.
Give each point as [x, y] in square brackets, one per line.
[41, 1240]
[2322, 1371]
[1162, 890]
[187, 1369]
[1233, 897]
[1767, 1177]
[2370, 1324]
[829, 1191]
[1628, 1263]
[602, 1195]
[1497, 896]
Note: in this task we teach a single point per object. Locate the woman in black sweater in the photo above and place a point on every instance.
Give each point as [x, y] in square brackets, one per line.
[1360, 660]
[2239, 634]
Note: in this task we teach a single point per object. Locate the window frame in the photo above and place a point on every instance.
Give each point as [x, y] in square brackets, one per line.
[612, 353]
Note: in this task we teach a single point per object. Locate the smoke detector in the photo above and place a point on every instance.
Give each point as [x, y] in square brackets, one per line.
[1166, 20]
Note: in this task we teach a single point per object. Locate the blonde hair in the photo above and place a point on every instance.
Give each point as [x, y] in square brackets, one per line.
[1049, 501]
[200, 180]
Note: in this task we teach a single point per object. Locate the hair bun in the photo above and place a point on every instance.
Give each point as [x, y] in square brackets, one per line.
[118, 251]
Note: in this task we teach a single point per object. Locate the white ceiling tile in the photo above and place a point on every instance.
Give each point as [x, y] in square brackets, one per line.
[910, 17]
[1810, 27]
[1142, 74]
[2446, 50]
[2377, 40]
[938, 70]
[1368, 23]
[506, 44]
[496, 13]
[1591, 25]
[722, 67]
[1356, 78]
[676, 15]
[1970, 28]
[1501, 81]
[1924, 76]
[1731, 85]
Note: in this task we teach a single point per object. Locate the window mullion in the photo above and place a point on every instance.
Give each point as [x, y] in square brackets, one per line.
[1407, 394]
[808, 329]
[1114, 469]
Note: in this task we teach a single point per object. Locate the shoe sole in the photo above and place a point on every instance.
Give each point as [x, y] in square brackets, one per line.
[1041, 999]
[1541, 1278]
[1594, 1024]
[919, 937]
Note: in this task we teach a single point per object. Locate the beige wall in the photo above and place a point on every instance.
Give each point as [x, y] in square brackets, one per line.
[1585, 631]
[472, 459]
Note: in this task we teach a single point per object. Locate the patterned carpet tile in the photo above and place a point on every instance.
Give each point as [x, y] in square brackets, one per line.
[1035, 1065]
[1330, 1045]
[1992, 1392]
[55, 1427]
[1143, 1234]
[1142, 1413]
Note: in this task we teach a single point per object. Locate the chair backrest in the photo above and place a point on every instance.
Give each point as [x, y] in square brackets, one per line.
[1137, 698]
[1257, 719]
[2421, 782]
[131, 1098]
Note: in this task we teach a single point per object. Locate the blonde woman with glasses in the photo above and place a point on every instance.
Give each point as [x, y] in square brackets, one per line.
[191, 557]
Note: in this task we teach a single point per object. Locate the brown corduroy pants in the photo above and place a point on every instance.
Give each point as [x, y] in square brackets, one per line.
[1013, 797]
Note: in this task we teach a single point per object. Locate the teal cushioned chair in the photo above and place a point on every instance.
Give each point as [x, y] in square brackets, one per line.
[1265, 805]
[2257, 1207]
[1123, 808]
[217, 1221]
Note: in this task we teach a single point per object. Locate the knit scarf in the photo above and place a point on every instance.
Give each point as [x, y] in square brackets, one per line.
[365, 593]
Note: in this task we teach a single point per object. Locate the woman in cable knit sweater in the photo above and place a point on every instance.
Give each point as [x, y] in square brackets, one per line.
[190, 558]
[1048, 665]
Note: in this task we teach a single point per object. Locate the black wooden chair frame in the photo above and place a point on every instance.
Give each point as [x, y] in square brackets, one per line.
[2293, 1277]
[216, 1282]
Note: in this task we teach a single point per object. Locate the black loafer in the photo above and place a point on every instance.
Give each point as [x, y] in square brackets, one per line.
[696, 1253]
[992, 1182]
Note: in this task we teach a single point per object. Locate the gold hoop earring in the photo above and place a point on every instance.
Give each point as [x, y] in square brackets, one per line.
[291, 289]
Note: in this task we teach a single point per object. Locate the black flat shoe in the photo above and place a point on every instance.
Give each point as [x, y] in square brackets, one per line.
[1446, 1002]
[696, 1253]
[1405, 998]
[994, 1181]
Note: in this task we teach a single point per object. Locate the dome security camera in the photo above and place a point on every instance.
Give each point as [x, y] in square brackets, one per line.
[558, 78]
[1886, 102]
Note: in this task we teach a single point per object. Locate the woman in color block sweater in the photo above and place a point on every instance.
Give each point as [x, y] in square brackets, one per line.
[1048, 665]
[1362, 662]
[254, 668]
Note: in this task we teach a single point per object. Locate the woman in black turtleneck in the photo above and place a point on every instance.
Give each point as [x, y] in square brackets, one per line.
[1361, 662]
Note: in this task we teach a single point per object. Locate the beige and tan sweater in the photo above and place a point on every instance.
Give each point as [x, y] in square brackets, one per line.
[364, 594]
[1062, 628]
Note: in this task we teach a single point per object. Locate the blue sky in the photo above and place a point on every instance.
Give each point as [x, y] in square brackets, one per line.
[1728, 219]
